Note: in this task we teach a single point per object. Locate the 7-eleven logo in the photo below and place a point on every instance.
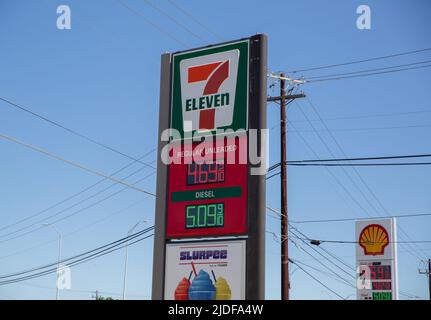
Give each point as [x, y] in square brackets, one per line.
[208, 85]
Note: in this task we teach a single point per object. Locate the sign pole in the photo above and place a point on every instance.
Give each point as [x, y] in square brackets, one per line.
[255, 279]
[162, 180]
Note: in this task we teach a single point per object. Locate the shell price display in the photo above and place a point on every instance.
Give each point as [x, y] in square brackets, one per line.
[382, 295]
[205, 215]
[380, 272]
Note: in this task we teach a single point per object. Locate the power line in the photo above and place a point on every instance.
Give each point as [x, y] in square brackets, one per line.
[75, 231]
[356, 171]
[363, 218]
[41, 221]
[361, 164]
[367, 70]
[360, 61]
[336, 179]
[323, 256]
[75, 212]
[73, 195]
[79, 166]
[92, 257]
[326, 258]
[321, 271]
[337, 276]
[160, 29]
[77, 259]
[315, 279]
[371, 242]
[188, 14]
[372, 128]
[74, 132]
[178, 23]
[410, 156]
[376, 115]
[113, 243]
[368, 74]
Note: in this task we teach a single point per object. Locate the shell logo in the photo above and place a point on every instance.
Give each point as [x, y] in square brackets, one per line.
[373, 239]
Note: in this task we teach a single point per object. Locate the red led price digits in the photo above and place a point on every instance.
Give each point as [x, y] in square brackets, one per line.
[205, 173]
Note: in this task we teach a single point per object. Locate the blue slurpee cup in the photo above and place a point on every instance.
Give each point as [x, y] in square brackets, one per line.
[202, 287]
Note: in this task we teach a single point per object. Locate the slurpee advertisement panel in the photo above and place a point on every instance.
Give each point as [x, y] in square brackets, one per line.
[205, 270]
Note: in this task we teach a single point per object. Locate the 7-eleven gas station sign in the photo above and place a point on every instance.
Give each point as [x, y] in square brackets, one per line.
[210, 207]
[210, 89]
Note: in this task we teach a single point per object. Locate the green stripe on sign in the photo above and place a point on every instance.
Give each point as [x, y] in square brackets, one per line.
[202, 194]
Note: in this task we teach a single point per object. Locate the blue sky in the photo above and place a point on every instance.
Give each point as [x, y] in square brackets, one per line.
[101, 78]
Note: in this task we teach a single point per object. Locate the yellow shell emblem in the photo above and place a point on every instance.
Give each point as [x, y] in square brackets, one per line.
[373, 239]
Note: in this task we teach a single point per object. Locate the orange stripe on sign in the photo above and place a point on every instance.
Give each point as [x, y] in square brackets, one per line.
[200, 73]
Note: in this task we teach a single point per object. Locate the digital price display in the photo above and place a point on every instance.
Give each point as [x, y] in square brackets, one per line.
[205, 215]
[207, 189]
[380, 272]
[382, 295]
[385, 285]
[378, 277]
[205, 173]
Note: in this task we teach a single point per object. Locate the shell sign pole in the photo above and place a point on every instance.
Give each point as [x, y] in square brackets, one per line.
[376, 259]
[209, 240]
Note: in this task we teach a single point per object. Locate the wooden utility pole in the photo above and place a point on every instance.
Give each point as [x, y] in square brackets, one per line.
[284, 100]
[428, 273]
[285, 283]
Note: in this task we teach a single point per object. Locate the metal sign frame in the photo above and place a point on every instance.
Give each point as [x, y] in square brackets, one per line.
[255, 239]
[378, 254]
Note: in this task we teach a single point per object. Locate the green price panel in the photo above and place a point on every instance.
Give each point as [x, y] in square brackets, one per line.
[382, 295]
[205, 216]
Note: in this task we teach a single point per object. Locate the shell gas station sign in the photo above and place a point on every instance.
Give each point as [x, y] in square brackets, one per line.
[376, 259]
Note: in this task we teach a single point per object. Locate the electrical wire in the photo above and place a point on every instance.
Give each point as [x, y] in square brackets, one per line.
[76, 165]
[75, 212]
[90, 258]
[361, 218]
[356, 171]
[371, 242]
[73, 232]
[367, 70]
[371, 128]
[108, 245]
[317, 280]
[368, 74]
[40, 221]
[376, 115]
[188, 14]
[77, 259]
[73, 195]
[360, 61]
[360, 164]
[148, 21]
[178, 23]
[74, 132]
